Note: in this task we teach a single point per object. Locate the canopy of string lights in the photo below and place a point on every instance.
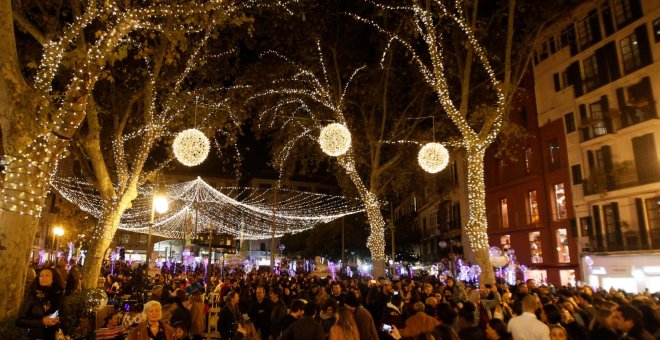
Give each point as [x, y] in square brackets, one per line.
[197, 207]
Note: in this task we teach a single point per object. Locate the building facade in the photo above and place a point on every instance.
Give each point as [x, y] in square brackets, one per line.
[441, 211]
[528, 199]
[598, 71]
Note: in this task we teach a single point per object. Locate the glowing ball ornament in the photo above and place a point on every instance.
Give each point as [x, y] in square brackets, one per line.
[95, 300]
[335, 139]
[191, 147]
[494, 252]
[433, 157]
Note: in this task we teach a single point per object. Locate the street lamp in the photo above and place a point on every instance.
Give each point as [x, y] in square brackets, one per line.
[159, 204]
[57, 231]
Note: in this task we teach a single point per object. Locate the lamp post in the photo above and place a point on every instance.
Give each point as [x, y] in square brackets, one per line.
[57, 231]
[159, 204]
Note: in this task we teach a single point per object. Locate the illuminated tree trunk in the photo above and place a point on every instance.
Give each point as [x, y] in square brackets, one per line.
[103, 234]
[376, 240]
[476, 229]
[23, 195]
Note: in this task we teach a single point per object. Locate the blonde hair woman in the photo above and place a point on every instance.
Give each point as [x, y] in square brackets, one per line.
[152, 327]
[345, 327]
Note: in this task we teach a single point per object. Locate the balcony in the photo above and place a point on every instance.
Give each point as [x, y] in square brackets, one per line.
[626, 241]
[623, 175]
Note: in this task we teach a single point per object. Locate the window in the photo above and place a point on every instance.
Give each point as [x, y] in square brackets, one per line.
[528, 160]
[576, 171]
[630, 53]
[656, 29]
[553, 150]
[569, 121]
[456, 216]
[567, 38]
[142, 240]
[563, 252]
[653, 212]
[125, 239]
[561, 211]
[646, 159]
[504, 212]
[585, 227]
[613, 226]
[636, 103]
[552, 44]
[589, 30]
[262, 246]
[543, 52]
[535, 247]
[505, 241]
[626, 11]
[591, 73]
[597, 119]
[532, 207]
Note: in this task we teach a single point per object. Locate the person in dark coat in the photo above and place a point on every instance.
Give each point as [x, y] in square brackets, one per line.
[631, 323]
[229, 316]
[278, 311]
[181, 313]
[363, 319]
[43, 299]
[296, 312]
[259, 312]
[306, 328]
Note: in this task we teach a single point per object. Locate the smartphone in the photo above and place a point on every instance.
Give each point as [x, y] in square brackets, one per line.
[387, 328]
[55, 314]
[396, 292]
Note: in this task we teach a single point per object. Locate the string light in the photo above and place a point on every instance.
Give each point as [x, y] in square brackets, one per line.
[425, 17]
[292, 95]
[335, 139]
[433, 157]
[191, 147]
[248, 213]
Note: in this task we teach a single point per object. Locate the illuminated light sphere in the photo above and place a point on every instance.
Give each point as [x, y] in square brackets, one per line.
[433, 157]
[500, 261]
[191, 147]
[335, 139]
[494, 252]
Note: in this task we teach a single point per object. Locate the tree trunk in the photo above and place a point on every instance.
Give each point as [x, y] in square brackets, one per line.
[376, 240]
[14, 259]
[477, 226]
[101, 240]
[22, 199]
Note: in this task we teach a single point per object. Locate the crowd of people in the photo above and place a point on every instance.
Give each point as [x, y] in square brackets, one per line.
[262, 305]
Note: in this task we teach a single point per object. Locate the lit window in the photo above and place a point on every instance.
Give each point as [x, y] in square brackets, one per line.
[505, 242]
[532, 207]
[535, 247]
[630, 53]
[560, 201]
[563, 253]
[504, 212]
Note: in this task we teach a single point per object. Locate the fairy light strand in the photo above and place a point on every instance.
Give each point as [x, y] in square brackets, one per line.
[222, 209]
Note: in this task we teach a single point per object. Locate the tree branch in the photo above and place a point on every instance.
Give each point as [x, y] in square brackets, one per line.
[29, 27]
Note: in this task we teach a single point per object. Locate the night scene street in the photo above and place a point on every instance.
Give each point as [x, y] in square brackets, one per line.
[330, 169]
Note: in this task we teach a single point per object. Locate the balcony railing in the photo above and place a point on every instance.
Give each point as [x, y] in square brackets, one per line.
[629, 116]
[630, 241]
[603, 181]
